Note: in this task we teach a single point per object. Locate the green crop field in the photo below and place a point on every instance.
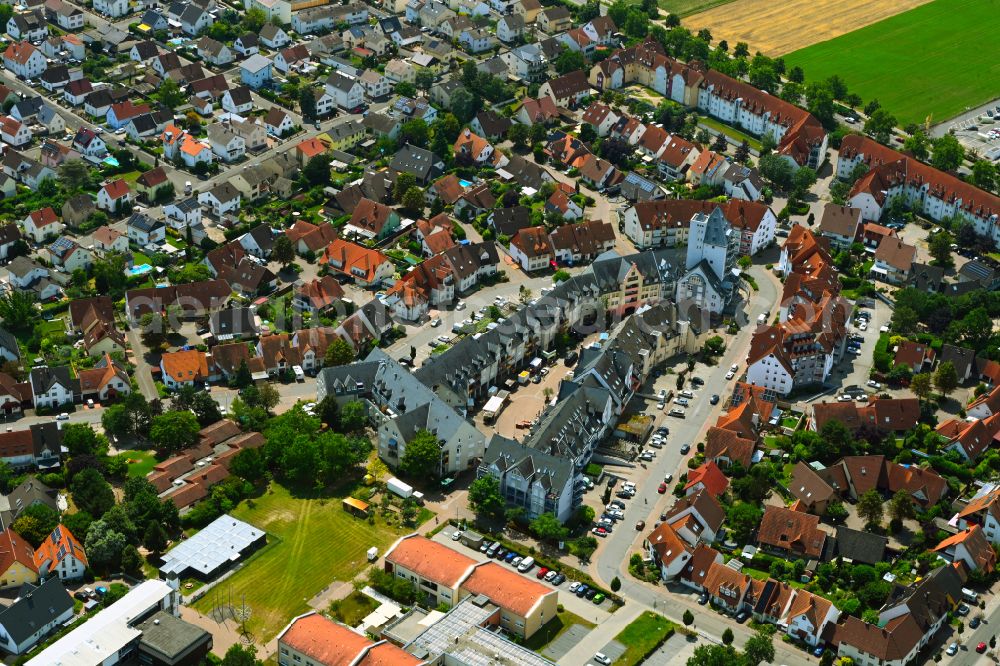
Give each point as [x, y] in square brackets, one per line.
[938, 59]
[312, 542]
[688, 7]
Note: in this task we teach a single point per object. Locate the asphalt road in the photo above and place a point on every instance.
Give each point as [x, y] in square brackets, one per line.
[614, 553]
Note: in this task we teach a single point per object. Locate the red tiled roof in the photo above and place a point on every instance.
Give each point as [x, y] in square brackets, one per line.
[507, 589]
[430, 560]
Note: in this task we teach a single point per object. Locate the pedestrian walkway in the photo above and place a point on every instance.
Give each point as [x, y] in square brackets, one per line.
[605, 631]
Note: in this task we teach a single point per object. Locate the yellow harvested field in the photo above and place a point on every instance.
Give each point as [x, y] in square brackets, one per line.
[777, 28]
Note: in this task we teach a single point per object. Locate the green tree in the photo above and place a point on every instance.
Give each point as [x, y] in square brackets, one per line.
[80, 438]
[104, 546]
[920, 385]
[170, 94]
[819, 102]
[465, 104]
[715, 655]
[307, 102]
[946, 378]
[425, 78]
[173, 431]
[743, 519]
[519, 134]
[413, 200]
[422, 457]
[485, 498]
[77, 523]
[415, 132]
[254, 19]
[758, 648]
[17, 310]
[870, 508]
[728, 637]
[940, 248]
[548, 528]
[947, 153]
[901, 506]
[249, 464]
[74, 175]
[317, 170]
[984, 175]
[205, 409]
[687, 618]
[918, 145]
[616, 584]
[339, 352]
[131, 560]
[803, 180]
[569, 61]
[404, 181]
[91, 493]
[777, 170]
[283, 252]
[155, 539]
[241, 655]
[879, 125]
[354, 416]
[35, 523]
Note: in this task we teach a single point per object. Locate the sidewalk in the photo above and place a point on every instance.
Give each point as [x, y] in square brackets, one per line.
[606, 631]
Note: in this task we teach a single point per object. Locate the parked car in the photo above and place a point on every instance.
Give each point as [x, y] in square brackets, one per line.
[510, 557]
[952, 650]
[516, 562]
[591, 593]
[974, 622]
[641, 525]
[662, 488]
[541, 573]
[742, 616]
[874, 384]
[526, 564]
[677, 411]
[558, 579]
[598, 598]
[714, 399]
[703, 599]
[601, 658]
[550, 576]
[582, 590]
[435, 322]
[667, 478]
[600, 531]
[685, 448]
[574, 586]
[456, 535]
[981, 648]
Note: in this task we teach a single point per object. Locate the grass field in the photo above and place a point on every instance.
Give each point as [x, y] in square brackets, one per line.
[641, 636]
[311, 544]
[687, 7]
[914, 63]
[776, 28]
[144, 462]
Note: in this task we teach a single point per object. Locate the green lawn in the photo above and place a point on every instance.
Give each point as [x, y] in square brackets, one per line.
[554, 628]
[143, 462]
[642, 636]
[312, 542]
[353, 608]
[937, 59]
[729, 131]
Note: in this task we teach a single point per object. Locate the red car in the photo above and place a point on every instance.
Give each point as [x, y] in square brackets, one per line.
[981, 648]
[541, 573]
[662, 488]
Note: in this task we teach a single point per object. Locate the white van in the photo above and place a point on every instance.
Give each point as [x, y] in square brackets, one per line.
[300, 376]
[970, 596]
[526, 564]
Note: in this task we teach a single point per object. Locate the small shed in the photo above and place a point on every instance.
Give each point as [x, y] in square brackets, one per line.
[356, 506]
[472, 539]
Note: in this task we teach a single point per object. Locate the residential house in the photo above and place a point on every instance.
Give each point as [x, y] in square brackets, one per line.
[273, 37]
[841, 224]
[42, 224]
[566, 90]
[150, 184]
[791, 533]
[369, 268]
[247, 44]
[113, 196]
[53, 387]
[319, 296]
[221, 200]
[112, 8]
[255, 71]
[106, 381]
[144, 230]
[24, 60]
[77, 209]
[532, 249]
[893, 261]
[13, 132]
[67, 255]
[185, 368]
[213, 51]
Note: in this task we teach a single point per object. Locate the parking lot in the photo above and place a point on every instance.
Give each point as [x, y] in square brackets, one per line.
[526, 402]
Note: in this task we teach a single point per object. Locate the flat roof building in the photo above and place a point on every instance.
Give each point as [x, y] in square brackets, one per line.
[214, 549]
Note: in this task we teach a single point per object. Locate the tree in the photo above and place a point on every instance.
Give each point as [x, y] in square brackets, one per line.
[728, 637]
[422, 458]
[104, 546]
[946, 378]
[413, 200]
[819, 102]
[561, 275]
[803, 179]
[241, 655]
[940, 248]
[870, 508]
[91, 493]
[78, 523]
[743, 519]
[283, 251]
[758, 648]
[776, 169]
[339, 352]
[317, 170]
[424, 78]
[307, 102]
[465, 104]
[569, 61]
[354, 416]
[742, 153]
[901, 506]
[485, 498]
[36, 523]
[254, 19]
[548, 528]
[519, 134]
[616, 584]
[17, 310]
[170, 94]
[263, 396]
[920, 385]
[879, 125]
[414, 131]
[173, 431]
[74, 175]
[792, 92]
[404, 181]
[249, 464]
[715, 655]
[688, 617]
[131, 560]
[984, 175]
[205, 409]
[80, 438]
[948, 153]
[720, 144]
[918, 145]
[155, 538]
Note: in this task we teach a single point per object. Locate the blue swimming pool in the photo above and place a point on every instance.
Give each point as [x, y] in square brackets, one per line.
[464, 183]
[111, 161]
[140, 269]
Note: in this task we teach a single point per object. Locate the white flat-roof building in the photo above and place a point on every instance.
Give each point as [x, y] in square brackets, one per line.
[219, 545]
[111, 636]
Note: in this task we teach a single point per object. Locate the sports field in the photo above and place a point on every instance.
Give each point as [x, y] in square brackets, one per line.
[777, 28]
[311, 544]
[940, 58]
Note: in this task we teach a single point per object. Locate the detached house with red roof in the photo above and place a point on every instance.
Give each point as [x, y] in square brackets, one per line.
[983, 511]
[24, 60]
[472, 147]
[971, 548]
[791, 533]
[61, 553]
[369, 268]
[532, 249]
[14, 132]
[113, 196]
[707, 477]
[42, 224]
[318, 296]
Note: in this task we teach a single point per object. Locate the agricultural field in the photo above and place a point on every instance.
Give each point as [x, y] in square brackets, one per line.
[915, 63]
[312, 542]
[777, 28]
[688, 7]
